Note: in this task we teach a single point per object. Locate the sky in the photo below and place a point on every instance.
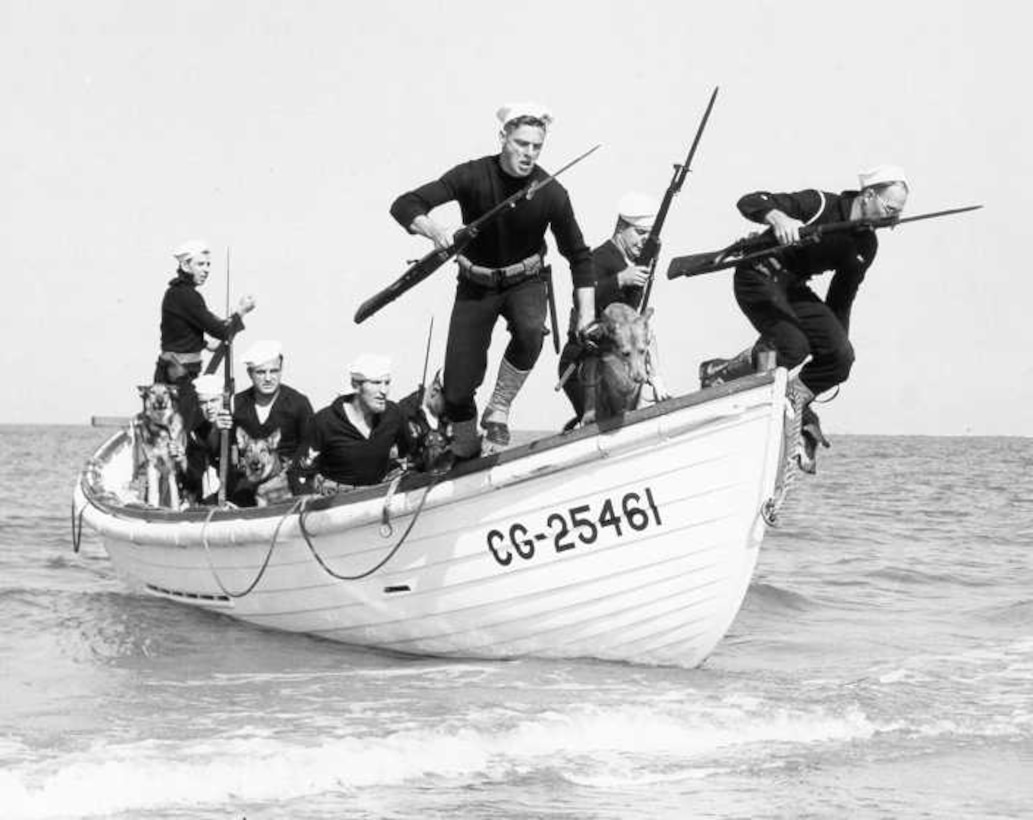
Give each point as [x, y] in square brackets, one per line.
[282, 131]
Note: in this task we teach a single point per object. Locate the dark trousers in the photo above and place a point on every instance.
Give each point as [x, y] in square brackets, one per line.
[793, 320]
[474, 314]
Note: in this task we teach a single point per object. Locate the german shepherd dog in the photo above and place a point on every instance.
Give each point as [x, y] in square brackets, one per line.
[617, 363]
[158, 432]
[262, 470]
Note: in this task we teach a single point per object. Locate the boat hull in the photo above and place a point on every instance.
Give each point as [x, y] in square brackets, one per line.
[633, 543]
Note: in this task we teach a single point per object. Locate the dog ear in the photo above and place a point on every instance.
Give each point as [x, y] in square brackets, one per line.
[274, 439]
[242, 438]
[144, 390]
[173, 390]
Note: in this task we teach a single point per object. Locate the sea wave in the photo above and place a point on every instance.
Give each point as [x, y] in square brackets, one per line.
[586, 745]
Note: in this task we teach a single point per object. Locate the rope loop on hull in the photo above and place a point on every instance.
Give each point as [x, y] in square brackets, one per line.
[385, 524]
[265, 563]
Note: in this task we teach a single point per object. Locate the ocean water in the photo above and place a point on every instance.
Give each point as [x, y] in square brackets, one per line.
[881, 667]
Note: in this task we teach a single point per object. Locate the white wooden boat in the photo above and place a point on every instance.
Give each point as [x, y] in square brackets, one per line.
[633, 542]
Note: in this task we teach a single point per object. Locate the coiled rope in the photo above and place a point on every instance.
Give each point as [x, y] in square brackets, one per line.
[385, 527]
[268, 555]
[788, 465]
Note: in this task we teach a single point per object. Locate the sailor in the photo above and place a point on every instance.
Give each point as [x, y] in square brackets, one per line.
[269, 405]
[774, 294]
[203, 450]
[185, 320]
[356, 436]
[500, 271]
[617, 279]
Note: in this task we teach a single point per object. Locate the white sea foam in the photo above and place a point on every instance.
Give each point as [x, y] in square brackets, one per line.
[634, 743]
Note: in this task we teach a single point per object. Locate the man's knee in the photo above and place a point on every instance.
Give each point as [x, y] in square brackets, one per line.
[525, 345]
[841, 360]
[791, 348]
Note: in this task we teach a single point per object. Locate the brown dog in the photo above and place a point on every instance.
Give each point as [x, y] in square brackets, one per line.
[159, 444]
[614, 372]
[262, 469]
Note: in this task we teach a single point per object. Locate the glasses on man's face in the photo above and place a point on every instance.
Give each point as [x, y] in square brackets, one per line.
[887, 208]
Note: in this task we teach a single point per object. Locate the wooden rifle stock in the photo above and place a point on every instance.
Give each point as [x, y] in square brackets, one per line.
[651, 247]
[424, 267]
[764, 244]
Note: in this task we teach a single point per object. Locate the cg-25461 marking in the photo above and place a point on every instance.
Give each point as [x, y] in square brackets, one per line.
[632, 512]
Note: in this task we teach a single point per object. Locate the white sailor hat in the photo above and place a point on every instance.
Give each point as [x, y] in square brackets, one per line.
[370, 367]
[510, 111]
[208, 386]
[262, 351]
[637, 209]
[883, 175]
[190, 249]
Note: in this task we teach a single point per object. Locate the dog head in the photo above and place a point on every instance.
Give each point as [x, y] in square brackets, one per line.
[626, 335]
[160, 402]
[258, 459]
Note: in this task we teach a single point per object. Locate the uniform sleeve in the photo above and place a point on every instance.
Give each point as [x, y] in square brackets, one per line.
[421, 201]
[802, 205]
[191, 307]
[571, 243]
[304, 421]
[848, 278]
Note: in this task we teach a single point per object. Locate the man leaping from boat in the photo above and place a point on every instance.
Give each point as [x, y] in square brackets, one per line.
[774, 294]
[500, 272]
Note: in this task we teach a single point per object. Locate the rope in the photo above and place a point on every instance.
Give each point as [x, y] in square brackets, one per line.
[269, 554]
[787, 469]
[382, 562]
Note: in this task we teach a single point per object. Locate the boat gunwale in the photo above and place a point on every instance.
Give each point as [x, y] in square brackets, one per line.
[412, 481]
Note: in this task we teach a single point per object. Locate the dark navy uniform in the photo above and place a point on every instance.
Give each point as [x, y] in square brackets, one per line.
[774, 292]
[485, 289]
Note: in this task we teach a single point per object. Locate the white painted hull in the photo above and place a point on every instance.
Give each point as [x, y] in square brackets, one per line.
[486, 570]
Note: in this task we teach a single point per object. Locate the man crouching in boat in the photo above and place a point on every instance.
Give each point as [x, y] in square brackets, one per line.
[185, 319]
[201, 478]
[270, 405]
[774, 294]
[356, 437]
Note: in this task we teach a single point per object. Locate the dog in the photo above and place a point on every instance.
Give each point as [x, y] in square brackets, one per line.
[159, 445]
[616, 364]
[262, 470]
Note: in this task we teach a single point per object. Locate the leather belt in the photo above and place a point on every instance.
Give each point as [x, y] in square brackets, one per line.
[181, 358]
[500, 277]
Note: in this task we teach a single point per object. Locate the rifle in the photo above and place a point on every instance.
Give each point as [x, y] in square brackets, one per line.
[764, 244]
[426, 361]
[227, 398]
[651, 247]
[424, 267]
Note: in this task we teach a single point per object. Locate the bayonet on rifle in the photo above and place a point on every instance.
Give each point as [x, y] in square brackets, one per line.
[764, 244]
[424, 267]
[651, 247]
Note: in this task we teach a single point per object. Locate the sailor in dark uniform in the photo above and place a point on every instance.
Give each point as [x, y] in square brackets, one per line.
[774, 293]
[270, 405]
[500, 271]
[185, 320]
